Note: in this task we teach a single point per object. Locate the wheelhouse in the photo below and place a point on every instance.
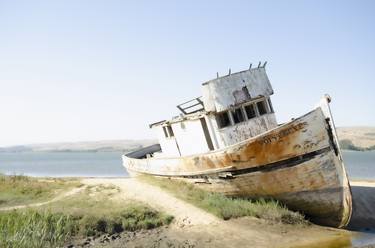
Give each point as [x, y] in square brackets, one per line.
[233, 108]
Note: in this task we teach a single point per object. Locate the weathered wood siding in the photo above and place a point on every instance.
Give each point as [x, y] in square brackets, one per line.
[167, 144]
[221, 93]
[314, 187]
[190, 137]
[242, 131]
[186, 133]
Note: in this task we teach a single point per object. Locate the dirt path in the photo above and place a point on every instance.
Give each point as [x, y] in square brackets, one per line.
[38, 204]
[185, 214]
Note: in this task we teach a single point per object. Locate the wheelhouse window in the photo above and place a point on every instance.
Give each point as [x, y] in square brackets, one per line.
[165, 132]
[222, 119]
[262, 108]
[237, 115]
[250, 111]
[170, 131]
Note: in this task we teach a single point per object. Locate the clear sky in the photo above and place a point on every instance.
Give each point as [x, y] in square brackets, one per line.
[91, 70]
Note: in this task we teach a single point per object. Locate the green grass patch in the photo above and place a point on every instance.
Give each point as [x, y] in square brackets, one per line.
[21, 229]
[94, 211]
[46, 228]
[19, 190]
[227, 207]
[98, 210]
[130, 218]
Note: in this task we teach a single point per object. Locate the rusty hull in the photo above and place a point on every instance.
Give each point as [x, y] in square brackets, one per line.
[297, 163]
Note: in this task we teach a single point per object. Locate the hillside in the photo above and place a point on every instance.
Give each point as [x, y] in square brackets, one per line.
[85, 146]
[351, 138]
[357, 138]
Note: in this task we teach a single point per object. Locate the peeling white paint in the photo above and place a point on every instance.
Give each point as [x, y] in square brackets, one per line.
[219, 94]
[245, 130]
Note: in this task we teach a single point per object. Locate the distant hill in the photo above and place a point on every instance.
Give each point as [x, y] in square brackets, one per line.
[85, 146]
[357, 138]
[351, 138]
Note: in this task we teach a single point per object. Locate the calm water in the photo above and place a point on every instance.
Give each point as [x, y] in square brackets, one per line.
[63, 164]
[360, 165]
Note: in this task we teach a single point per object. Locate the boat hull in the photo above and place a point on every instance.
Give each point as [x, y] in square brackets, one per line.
[312, 187]
[298, 163]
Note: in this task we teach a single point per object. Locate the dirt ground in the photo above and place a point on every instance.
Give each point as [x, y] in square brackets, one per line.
[194, 227]
[243, 232]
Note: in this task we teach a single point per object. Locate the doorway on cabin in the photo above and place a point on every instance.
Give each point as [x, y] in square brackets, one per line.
[207, 134]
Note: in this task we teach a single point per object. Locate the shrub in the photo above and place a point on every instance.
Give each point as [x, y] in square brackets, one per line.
[348, 145]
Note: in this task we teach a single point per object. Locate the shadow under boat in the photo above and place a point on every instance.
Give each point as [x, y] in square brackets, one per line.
[363, 215]
[362, 221]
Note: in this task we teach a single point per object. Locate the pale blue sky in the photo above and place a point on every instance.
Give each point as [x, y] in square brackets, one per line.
[89, 70]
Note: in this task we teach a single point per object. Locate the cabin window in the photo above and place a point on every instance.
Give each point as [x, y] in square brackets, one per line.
[250, 111]
[182, 124]
[237, 115]
[170, 131]
[222, 119]
[270, 105]
[165, 132]
[262, 107]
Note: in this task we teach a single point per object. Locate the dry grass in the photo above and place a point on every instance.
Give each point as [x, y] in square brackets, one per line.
[226, 207]
[20, 190]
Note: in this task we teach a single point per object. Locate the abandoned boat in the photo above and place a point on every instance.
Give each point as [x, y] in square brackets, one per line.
[228, 141]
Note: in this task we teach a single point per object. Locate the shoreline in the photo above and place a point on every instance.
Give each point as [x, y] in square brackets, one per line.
[359, 182]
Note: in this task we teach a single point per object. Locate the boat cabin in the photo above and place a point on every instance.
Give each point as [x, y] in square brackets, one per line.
[233, 108]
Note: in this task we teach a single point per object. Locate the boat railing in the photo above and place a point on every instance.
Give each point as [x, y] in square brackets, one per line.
[191, 106]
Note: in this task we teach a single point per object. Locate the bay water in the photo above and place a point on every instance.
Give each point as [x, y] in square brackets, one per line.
[62, 164]
[359, 165]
